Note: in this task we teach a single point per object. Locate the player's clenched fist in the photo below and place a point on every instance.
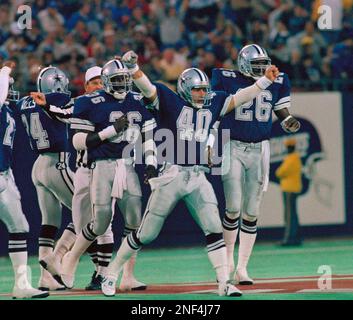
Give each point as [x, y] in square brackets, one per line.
[39, 98]
[10, 64]
[130, 60]
[271, 73]
[290, 124]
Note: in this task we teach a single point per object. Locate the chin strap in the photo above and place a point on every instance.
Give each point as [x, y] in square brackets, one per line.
[197, 105]
[119, 96]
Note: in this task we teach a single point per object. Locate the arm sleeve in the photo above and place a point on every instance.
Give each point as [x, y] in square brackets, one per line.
[61, 114]
[84, 140]
[283, 100]
[4, 84]
[157, 103]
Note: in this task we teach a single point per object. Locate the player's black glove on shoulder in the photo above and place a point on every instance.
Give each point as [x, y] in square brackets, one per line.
[150, 172]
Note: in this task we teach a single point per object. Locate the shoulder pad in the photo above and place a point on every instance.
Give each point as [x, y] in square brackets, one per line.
[136, 95]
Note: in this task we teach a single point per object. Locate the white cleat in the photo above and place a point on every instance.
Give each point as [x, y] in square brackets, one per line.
[68, 270]
[228, 290]
[131, 284]
[242, 277]
[28, 293]
[109, 286]
[52, 264]
[47, 283]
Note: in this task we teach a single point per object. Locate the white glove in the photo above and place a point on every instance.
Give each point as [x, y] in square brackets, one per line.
[290, 124]
[130, 60]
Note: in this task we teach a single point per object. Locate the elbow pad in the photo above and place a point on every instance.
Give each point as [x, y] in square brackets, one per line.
[79, 141]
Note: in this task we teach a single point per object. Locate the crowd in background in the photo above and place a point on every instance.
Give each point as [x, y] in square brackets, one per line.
[172, 35]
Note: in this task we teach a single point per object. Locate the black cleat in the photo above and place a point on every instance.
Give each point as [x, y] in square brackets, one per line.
[96, 282]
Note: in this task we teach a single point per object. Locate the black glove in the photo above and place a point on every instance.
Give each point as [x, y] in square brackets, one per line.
[121, 124]
[150, 172]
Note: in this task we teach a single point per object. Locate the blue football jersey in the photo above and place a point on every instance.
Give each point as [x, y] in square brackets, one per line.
[187, 127]
[251, 122]
[45, 133]
[7, 135]
[96, 111]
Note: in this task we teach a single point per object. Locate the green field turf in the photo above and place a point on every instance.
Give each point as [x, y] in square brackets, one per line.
[191, 265]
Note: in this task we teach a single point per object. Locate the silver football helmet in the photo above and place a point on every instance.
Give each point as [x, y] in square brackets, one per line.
[53, 80]
[116, 79]
[253, 61]
[194, 78]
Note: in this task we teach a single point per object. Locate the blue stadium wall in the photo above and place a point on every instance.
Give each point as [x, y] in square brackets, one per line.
[180, 229]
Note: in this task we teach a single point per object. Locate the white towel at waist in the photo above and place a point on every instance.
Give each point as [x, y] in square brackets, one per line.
[120, 179]
[265, 156]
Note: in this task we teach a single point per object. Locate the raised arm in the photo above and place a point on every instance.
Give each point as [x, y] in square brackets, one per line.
[148, 90]
[251, 92]
[4, 80]
[61, 114]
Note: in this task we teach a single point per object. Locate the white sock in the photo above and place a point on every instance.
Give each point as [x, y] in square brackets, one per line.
[246, 243]
[230, 233]
[218, 260]
[123, 255]
[20, 268]
[42, 252]
[128, 269]
[65, 242]
[80, 246]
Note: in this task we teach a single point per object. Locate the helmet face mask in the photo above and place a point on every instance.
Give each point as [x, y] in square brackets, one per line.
[116, 79]
[193, 78]
[258, 67]
[253, 61]
[13, 95]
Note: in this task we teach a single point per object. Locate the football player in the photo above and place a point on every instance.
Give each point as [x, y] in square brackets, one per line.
[109, 123]
[51, 174]
[10, 200]
[102, 248]
[189, 115]
[246, 157]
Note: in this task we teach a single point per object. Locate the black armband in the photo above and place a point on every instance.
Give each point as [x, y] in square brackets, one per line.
[93, 140]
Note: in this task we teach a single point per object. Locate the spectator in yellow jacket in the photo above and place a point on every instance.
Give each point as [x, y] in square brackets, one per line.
[290, 176]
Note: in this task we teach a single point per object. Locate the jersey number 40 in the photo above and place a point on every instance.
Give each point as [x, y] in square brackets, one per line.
[187, 129]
